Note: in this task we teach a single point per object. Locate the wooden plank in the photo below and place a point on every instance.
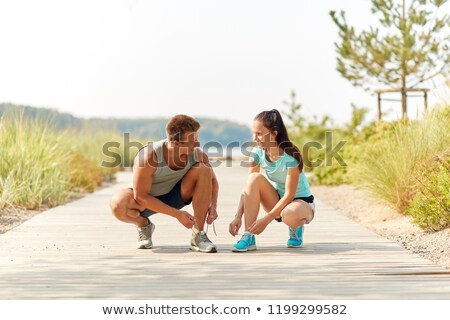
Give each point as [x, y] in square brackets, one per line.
[79, 251]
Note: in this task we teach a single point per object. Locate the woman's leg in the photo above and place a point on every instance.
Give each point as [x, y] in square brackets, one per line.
[258, 190]
[296, 214]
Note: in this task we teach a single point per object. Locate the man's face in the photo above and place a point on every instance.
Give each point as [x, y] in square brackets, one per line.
[188, 143]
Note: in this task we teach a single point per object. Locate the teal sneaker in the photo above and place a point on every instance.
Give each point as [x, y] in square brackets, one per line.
[295, 237]
[247, 243]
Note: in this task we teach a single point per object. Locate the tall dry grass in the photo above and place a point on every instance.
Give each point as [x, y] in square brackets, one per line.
[389, 166]
[42, 166]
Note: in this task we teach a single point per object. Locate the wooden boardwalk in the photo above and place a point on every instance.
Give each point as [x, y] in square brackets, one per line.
[79, 251]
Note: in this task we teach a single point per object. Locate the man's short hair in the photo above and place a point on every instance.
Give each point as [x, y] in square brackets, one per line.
[180, 124]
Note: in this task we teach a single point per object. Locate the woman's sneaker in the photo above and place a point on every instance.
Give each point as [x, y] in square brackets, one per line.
[295, 237]
[145, 236]
[247, 243]
[200, 242]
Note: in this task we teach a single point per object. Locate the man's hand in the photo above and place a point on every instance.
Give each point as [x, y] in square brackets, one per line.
[235, 225]
[211, 215]
[259, 225]
[186, 219]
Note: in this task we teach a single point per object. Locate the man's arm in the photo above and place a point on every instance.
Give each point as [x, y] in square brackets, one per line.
[142, 182]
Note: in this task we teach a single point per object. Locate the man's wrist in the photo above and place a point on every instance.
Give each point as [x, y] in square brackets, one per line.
[174, 213]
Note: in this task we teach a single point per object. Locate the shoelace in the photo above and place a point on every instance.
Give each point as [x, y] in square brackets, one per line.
[214, 228]
[144, 233]
[244, 237]
[207, 226]
[204, 237]
[293, 233]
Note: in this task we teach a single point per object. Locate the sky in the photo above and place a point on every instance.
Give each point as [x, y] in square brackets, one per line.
[142, 58]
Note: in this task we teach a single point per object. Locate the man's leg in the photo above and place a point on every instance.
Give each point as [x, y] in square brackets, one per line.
[197, 185]
[126, 209]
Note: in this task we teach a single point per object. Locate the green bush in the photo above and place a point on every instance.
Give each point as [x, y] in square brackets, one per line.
[389, 162]
[430, 208]
[334, 174]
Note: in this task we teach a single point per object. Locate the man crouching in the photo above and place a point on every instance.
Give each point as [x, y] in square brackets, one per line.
[168, 175]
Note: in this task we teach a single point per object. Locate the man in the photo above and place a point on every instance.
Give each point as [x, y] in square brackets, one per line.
[168, 175]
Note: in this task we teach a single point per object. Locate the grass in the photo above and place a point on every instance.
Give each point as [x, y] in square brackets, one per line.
[41, 166]
[389, 166]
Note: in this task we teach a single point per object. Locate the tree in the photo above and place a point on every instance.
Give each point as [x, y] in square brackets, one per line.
[296, 120]
[412, 47]
[357, 120]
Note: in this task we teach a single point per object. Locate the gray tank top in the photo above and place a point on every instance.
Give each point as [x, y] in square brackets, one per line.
[165, 178]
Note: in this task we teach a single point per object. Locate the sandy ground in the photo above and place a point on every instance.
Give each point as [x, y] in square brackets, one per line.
[11, 218]
[384, 220]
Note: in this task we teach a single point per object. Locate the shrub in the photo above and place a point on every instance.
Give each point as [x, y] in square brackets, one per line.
[430, 208]
[389, 162]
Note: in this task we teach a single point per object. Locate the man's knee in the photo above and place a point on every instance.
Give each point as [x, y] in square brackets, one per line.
[118, 204]
[202, 170]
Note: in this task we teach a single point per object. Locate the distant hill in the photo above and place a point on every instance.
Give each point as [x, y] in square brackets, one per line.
[220, 131]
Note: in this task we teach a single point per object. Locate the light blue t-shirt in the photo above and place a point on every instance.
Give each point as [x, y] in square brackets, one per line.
[277, 172]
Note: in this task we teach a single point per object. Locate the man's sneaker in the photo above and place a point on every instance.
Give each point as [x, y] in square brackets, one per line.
[247, 243]
[200, 242]
[295, 237]
[145, 236]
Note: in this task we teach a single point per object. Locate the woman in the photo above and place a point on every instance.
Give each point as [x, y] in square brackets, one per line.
[285, 195]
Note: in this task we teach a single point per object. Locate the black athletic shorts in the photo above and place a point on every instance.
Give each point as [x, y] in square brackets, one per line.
[172, 198]
[309, 200]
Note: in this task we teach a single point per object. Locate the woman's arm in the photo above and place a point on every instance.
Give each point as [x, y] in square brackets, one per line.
[237, 221]
[292, 177]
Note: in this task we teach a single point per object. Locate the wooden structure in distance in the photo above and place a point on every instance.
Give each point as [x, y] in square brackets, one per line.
[405, 91]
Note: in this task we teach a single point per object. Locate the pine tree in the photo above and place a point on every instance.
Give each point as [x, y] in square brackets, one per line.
[412, 46]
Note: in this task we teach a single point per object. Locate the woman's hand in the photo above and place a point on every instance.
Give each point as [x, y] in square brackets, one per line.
[259, 225]
[235, 226]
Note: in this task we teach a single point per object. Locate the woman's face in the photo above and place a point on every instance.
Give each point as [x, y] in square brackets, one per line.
[262, 136]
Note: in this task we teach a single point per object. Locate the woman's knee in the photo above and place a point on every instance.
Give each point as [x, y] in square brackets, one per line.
[292, 218]
[254, 178]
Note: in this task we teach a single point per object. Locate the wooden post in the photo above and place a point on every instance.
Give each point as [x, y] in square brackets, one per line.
[379, 106]
[425, 98]
[404, 104]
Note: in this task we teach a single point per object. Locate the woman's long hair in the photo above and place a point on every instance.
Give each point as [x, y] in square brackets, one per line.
[273, 121]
